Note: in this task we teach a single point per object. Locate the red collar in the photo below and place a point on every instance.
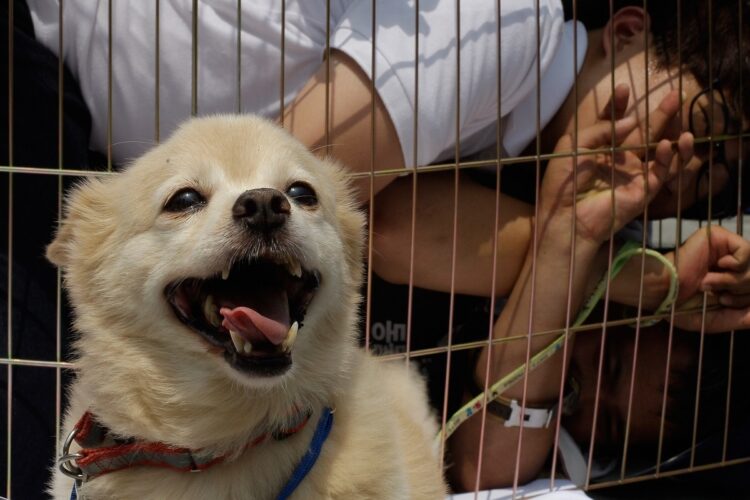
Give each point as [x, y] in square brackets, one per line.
[101, 452]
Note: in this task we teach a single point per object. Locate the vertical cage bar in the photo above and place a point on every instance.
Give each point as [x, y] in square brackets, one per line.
[239, 58]
[709, 216]
[58, 273]
[371, 195]
[739, 226]
[194, 62]
[610, 257]
[157, 70]
[495, 248]
[109, 86]
[9, 368]
[456, 172]
[639, 308]
[282, 75]
[678, 241]
[571, 264]
[698, 379]
[728, 404]
[534, 245]
[328, 83]
[414, 190]
[740, 131]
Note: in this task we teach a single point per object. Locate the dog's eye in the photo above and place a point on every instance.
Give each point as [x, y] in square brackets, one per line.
[303, 194]
[185, 199]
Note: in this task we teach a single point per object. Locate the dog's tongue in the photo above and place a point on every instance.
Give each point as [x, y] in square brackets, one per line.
[266, 319]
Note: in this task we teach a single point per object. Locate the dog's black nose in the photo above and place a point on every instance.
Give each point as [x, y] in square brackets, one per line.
[262, 209]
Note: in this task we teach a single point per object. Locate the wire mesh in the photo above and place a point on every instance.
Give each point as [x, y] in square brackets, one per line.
[28, 366]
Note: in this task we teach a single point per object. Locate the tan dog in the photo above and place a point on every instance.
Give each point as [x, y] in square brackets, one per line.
[215, 284]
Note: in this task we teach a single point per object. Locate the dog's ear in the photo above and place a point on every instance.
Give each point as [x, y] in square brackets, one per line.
[57, 251]
[84, 206]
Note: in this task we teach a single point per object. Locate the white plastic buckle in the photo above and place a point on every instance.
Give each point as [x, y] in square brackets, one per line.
[535, 418]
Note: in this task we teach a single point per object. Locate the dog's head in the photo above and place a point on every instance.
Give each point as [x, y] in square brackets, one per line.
[219, 273]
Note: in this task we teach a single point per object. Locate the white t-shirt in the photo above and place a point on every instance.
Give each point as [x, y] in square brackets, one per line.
[442, 89]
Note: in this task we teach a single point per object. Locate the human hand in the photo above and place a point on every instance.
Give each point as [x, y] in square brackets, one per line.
[610, 189]
[716, 261]
[679, 186]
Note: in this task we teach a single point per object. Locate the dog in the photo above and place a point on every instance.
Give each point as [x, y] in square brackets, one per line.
[215, 284]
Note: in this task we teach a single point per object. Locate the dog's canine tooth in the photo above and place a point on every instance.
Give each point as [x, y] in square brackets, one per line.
[225, 272]
[248, 348]
[295, 269]
[291, 336]
[237, 340]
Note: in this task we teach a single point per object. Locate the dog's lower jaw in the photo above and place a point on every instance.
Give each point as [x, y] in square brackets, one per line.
[254, 381]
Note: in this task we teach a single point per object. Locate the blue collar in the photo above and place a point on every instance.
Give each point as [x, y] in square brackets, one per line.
[311, 456]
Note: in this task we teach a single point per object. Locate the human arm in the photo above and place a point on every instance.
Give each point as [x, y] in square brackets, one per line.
[594, 219]
[713, 260]
[716, 261]
[347, 136]
[423, 99]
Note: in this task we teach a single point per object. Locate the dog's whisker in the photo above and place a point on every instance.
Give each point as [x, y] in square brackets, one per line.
[121, 143]
[325, 146]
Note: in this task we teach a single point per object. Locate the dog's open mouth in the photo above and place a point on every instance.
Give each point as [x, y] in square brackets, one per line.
[252, 311]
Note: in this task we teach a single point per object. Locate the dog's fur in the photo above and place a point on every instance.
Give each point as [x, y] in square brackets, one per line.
[144, 374]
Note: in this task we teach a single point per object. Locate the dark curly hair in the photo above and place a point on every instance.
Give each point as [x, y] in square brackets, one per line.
[719, 51]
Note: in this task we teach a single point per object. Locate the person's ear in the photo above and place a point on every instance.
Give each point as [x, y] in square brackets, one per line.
[624, 28]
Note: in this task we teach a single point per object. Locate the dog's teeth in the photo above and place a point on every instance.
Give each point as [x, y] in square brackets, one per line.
[295, 269]
[225, 273]
[209, 310]
[237, 340]
[291, 336]
[248, 348]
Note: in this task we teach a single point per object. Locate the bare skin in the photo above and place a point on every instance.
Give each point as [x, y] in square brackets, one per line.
[591, 213]
[430, 266]
[349, 134]
[433, 234]
[712, 260]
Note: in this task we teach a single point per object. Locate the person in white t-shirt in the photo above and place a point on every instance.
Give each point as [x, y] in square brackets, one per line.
[238, 67]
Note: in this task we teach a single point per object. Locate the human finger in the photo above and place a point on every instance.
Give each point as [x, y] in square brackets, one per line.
[732, 251]
[601, 134]
[685, 165]
[617, 104]
[686, 146]
[726, 281]
[657, 122]
[659, 167]
[737, 248]
[737, 259]
[734, 301]
[729, 263]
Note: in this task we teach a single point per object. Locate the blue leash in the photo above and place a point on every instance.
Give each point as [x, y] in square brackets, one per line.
[305, 465]
[311, 456]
